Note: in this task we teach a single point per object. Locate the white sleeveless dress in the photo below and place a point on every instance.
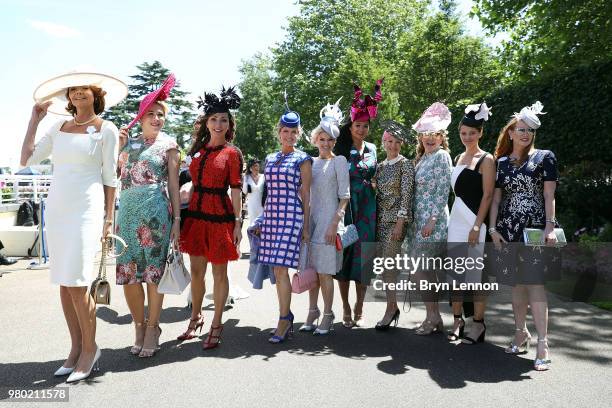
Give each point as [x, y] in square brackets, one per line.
[74, 216]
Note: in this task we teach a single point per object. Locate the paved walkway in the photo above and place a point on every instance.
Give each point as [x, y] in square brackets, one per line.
[352, 367]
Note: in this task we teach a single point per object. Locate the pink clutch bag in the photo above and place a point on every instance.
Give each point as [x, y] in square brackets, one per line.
[306, 277]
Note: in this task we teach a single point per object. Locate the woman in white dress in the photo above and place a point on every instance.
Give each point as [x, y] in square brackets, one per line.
[473, 181]
[253, 186]
[82, 197]
[329, 195]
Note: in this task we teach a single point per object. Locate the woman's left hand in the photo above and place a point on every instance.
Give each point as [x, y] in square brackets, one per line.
[473, 237]
[107, 229]
[398, 231]
[237, 234]
[428, 229]
[175, 233]
[549, 235]
[330, 234]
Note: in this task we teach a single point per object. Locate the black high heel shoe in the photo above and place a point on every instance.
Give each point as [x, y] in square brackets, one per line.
[385, 326]
[480, 339]
[450, 335]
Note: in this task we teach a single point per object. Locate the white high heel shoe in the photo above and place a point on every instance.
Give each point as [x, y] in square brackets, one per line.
[319, 331]
[62, 371]
[76, 376]
[310, 327]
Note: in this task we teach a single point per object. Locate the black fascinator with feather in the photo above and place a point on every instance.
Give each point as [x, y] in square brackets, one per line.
[228, 100]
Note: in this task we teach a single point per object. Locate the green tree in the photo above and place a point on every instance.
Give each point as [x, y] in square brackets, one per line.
[441, 63]
[258, 109]
[179, 123]
[332, 43]
[548, 36]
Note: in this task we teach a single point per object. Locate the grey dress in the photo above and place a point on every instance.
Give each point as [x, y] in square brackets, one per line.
[330, 184]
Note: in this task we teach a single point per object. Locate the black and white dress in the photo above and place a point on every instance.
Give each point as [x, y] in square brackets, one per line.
[467, 185]
[523, 207]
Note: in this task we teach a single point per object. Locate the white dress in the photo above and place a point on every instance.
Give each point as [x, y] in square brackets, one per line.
[254, 207]
[74, 216]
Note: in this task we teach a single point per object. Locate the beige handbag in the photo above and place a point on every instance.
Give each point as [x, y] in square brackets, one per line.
[100, 288]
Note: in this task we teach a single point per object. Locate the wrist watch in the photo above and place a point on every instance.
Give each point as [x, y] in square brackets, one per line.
[476, 228]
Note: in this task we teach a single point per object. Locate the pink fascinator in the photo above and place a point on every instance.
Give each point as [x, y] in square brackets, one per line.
[160, 94]
[365, 109]
[435, 118]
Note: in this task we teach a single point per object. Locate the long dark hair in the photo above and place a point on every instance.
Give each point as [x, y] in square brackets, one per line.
[345, 140]
[203, 135]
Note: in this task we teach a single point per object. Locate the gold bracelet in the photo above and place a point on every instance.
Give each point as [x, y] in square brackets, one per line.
[108, 221]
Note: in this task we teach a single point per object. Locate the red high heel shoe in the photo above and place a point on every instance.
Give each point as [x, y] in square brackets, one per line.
[190, 333]
[208, 344]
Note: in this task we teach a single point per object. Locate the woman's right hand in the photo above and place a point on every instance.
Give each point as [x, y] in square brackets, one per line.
[39, 111]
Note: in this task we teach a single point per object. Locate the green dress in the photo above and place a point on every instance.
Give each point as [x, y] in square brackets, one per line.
[145, 214]
[362, 212]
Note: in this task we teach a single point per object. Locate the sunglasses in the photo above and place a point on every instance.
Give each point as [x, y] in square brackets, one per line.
[525, 130]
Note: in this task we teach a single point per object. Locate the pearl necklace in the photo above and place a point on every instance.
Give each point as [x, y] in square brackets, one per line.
[86, 122]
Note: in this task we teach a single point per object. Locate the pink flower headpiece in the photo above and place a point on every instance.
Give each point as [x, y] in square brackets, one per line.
[365, 109]
[435, 118]
[160, 94]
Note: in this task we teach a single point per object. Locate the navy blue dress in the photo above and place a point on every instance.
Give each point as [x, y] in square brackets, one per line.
[522, 206]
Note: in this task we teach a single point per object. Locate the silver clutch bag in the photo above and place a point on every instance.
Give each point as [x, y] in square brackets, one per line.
[535, 237]
[348, 236]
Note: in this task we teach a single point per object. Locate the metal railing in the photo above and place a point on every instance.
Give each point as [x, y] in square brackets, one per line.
[19, 188]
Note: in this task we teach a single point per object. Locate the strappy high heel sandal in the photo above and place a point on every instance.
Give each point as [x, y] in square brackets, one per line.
[481, 337]
[542, 364]
[451, 335]
[310, 327]
[522, 347]
[190, 333]
[428, 327]
[150, 352]
[208, 343]
[289, 331]
[136, 348]
[325, 329]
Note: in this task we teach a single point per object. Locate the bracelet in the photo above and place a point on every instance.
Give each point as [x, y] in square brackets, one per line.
[108, 221]
[237, 219]
[552, 221]
[177, 218]
[492, 230]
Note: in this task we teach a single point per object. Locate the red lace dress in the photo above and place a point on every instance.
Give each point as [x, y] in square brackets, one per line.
[209, 224]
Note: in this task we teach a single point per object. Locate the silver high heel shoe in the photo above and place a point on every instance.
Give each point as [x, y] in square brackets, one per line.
[311, 327]
[319, 331]
[542, 364]
[520, 348]
[62, 371]
[76, 376]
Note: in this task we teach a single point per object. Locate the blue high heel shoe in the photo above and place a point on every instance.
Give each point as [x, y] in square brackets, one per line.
[279, 339]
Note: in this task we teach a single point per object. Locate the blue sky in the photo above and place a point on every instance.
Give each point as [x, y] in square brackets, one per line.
[202, 42]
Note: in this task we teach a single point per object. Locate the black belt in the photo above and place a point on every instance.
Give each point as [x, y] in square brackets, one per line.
[219, 218]
[210, 190]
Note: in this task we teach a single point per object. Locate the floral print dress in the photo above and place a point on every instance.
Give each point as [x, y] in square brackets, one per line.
[432, 187]
[145, 214]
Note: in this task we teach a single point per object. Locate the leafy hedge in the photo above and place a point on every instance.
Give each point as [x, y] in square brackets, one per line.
[576, 127]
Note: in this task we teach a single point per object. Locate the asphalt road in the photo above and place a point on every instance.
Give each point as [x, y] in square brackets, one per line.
[351, 367]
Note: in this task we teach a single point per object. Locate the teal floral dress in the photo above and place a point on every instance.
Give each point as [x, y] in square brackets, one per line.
[432, 187]
[145, 213]
[362, 169]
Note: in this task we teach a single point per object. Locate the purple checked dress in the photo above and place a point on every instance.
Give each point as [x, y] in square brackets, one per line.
[281, 232]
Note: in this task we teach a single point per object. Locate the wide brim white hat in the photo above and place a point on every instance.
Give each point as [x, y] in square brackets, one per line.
[54, 89]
